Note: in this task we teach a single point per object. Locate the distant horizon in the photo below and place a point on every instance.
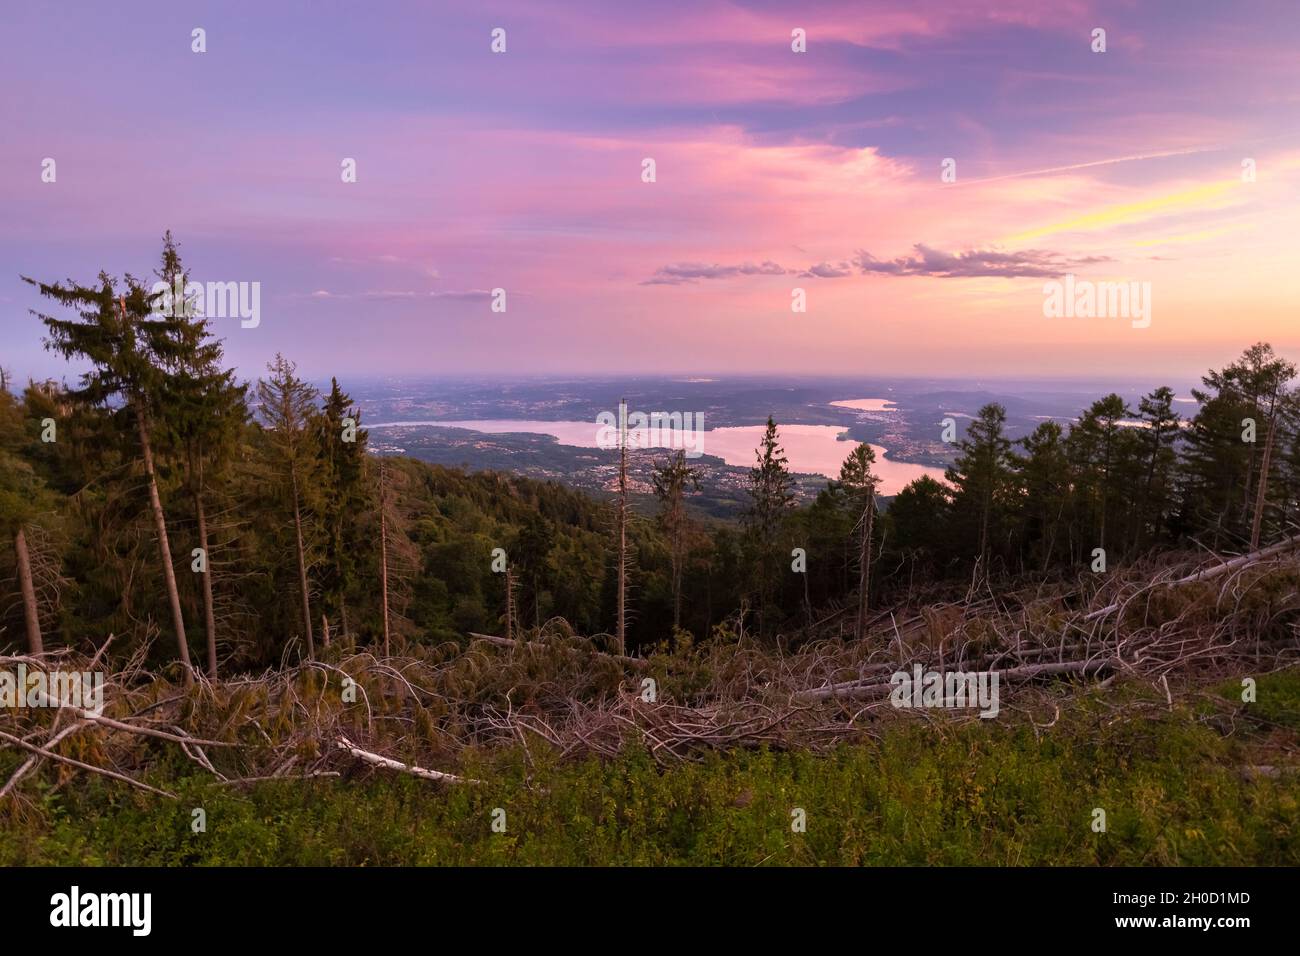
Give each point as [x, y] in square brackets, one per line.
[65, 372]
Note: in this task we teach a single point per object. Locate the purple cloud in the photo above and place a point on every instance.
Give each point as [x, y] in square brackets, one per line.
[682, 272]
[977, 263]
[828, 270]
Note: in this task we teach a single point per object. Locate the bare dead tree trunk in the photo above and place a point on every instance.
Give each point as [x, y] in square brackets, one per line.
[1250, 461]
[510, 604]
[864, 562]
[677, 588]
[302, 567]
[34, 644]
[164, 546]
[984, 523]
[622, 527]
[209, 615]
[1257, 522]
[325, 630]
[383, 549]
[160, 524]
[807, 600]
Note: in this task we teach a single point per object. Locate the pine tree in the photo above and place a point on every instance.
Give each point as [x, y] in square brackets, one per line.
[920, 518]
[122, 338]
[1044, 479]
[981, 475]
[1158, 446]
[1099, 446]
[672, 481]
[287, 406]
[620, 635]
[202, 413]
[531, 553]
[771, 495]
[23, 500]
[383, 556]
[342, 448]
[1270, 375]
[1225, 486]
[859, 485]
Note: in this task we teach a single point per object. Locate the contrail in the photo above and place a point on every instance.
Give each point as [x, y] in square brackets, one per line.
[1096, 162]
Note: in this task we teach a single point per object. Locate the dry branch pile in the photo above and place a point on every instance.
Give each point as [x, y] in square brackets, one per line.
[1171, 625]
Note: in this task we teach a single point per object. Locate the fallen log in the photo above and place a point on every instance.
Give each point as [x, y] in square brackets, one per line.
[91, 717]
[36, 758]
[639, 663]
[1213, 571]
[879, 688]
[59, 758]
[390, 764]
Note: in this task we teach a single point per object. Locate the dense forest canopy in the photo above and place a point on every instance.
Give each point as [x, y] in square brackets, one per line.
[231, 526]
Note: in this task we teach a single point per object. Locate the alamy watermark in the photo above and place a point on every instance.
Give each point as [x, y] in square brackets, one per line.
[677, 430]
[133, 911]
[38, 688]
[956, 690]
[213, 300]
[1085, 299]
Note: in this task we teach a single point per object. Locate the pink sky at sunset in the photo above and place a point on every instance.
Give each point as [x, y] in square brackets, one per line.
[775, 170]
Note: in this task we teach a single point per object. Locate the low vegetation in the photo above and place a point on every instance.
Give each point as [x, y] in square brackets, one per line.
[1203, 783]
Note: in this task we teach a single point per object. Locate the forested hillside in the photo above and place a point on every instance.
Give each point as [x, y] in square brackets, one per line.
[160, 500]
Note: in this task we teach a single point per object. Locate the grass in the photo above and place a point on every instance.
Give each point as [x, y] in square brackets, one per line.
[985, 792]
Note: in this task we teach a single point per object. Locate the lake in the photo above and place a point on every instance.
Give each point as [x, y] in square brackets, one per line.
[811, 449]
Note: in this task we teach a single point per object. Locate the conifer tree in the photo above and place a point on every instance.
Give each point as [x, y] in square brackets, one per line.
[23, 499]
[1157, 443]
[771, 493]
[981, 475]
[672, 481]
[859, 485]
[1099, 446]
[287, 407]
[203, 413]
[920, 518]
[1044, 480]
[620, 633]
[122, 339]
[342, 448]
[1225, 486]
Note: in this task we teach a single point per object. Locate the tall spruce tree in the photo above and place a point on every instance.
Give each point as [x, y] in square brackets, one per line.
[771, 493]
[24, 501]
[341, 444]
[920, 521]
[202, 414]
[1157, 443]
[1225, 485]
[981, 476]
[1100, 447]
[1044, 481]
[287, 406]
[673, 480]
[122, 338]
[859, 486]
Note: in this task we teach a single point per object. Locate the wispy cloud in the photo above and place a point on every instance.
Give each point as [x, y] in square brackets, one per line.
[976, 263]
[924, 261]
[683, 272]
[463, 294]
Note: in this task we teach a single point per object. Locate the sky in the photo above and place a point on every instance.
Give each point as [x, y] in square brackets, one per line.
[1170, 160]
